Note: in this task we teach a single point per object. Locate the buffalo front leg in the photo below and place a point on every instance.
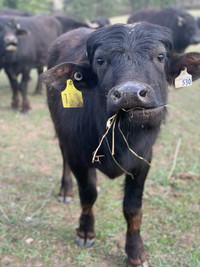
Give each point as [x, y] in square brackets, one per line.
[132, 208]
[23, 89]
[65, 195]
[15, 88]
[38, 88]
[86, 179]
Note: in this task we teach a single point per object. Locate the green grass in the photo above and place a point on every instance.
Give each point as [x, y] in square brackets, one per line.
[36, 230]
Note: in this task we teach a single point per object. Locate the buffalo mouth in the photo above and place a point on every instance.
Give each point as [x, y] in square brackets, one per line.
[145, 112]
[150, 116]
[12, 46]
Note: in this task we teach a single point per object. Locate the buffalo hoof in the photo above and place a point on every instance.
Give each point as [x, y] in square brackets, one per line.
[66, 200]
[26, 112]
[26, 107]
[98, 189]
[15, 104]
[144, 264]
[37, 92]
[82, 242]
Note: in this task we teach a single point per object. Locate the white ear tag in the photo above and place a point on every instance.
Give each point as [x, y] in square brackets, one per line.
[184, 79]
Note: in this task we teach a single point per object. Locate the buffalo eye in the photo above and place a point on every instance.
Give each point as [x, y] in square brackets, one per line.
[161, 58]
[99, 61]
[78, 76]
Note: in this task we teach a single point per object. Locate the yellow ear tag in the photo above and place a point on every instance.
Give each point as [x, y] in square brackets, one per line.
[71, 97]
[184, 79]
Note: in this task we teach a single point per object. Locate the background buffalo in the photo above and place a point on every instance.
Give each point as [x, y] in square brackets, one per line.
[24, 43]
[183, 25]
[71, 24]
[14, 12]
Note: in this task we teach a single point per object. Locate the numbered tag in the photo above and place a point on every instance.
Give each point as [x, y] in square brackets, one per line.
[184, 79]
[71, 97]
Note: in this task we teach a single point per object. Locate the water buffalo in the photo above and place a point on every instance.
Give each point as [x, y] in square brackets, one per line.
[198, 22]
[24, 43]
[122, 72]
[182, 24]
[102, 21]
[69, 24]
[14, 12]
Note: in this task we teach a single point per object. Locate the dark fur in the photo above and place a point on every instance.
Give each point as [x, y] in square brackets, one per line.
[182, 24]
[71, 24]
[198, 22]
[130, 57]
[102, 21]
[71, 41]
[14, 12]
[31, 50]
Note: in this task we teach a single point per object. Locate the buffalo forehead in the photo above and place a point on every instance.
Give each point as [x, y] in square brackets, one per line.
[146, 46]
[129, 34]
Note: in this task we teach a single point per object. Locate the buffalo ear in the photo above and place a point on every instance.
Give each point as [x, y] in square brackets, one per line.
[81, 75]
[190, 60]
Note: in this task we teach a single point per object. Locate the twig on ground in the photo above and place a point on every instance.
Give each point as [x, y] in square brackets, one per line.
[4, 214]
[175, 159]
[42, 206]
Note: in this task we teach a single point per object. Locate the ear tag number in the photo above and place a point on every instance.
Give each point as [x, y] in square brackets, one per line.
[184, 79]
[71, 97]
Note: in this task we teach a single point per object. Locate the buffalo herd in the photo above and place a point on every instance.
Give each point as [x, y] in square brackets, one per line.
[114, 80]
[25, 40]
[24, 43]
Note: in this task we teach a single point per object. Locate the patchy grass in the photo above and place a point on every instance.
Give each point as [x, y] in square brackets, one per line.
[37, 231]
[119, 19]
[194, 12]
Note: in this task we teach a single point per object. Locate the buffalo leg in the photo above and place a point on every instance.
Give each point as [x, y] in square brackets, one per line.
[86, 179]
[38, 89]
[15, 88]
[23, 89]
[65, 195]
[132, 208]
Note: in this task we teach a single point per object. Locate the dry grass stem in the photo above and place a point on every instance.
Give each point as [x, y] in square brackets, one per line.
[175, 159]
[4, 214]
[133, 152]
[118, 162]
[112, 122]
[109, 123]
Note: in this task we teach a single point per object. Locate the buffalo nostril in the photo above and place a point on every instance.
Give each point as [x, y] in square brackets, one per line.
[117, 94]
[143, 93]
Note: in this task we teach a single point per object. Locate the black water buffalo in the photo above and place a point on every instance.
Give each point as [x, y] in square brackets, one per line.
[102, 21]
[71, 24]
[24, 44]
[198, 22]
[182, 24]
[122, 73]
[14, 12]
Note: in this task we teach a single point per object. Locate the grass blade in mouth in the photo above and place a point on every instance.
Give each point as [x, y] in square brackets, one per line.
[112, 122]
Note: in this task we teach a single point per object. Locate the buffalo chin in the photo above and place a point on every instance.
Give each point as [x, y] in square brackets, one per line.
[145, 118]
